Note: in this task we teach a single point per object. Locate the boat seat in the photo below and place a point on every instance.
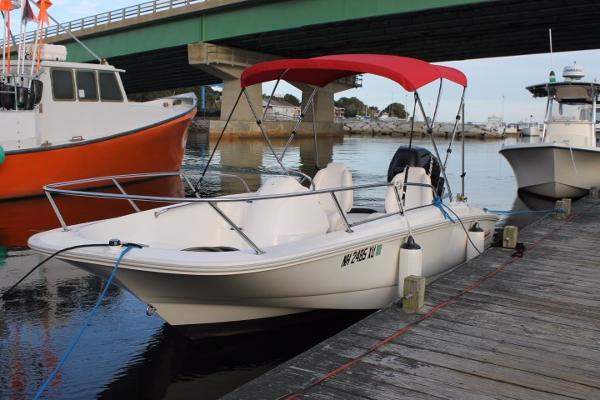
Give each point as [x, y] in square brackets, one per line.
[335, 175]
[276, 221]
[415, 196]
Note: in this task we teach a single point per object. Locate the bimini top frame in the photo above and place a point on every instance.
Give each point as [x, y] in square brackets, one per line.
[410, 73]
[566, 92]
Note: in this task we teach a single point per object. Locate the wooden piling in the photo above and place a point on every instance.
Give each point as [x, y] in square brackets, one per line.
[414, 294]
[510, 237]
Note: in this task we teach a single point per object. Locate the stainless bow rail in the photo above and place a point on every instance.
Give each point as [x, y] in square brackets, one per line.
[116, 180]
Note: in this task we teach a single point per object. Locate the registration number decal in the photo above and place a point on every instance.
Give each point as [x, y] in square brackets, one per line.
[361, 255]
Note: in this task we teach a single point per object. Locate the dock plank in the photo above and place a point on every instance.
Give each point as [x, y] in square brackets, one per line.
[532, 331]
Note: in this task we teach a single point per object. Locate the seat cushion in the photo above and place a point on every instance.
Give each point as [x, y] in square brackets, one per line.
[275, 221]
[415, 196]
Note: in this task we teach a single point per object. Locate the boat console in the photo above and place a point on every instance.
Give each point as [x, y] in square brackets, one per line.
[415, 156]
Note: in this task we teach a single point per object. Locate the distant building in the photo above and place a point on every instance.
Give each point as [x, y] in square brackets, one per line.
[338, 112]
[281, 110]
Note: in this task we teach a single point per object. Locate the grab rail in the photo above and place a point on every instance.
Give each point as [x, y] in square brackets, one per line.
[56, 188]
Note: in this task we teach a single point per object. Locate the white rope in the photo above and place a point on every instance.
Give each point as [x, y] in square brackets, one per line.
[573, 160]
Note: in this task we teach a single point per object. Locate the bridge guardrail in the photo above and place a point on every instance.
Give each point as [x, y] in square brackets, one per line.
[121, 14]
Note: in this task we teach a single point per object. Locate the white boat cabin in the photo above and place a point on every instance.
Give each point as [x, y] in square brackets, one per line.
[571, 116]
[67, 102]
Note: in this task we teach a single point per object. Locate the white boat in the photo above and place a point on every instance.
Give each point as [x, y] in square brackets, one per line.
[566, 160]
[530, 129]
[286, 248]
[495, 124]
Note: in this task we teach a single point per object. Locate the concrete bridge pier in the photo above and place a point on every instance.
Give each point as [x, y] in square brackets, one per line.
[227, 64]
[324, 105]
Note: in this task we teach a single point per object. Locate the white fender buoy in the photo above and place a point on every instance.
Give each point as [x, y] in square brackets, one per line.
[476, 238]
[410, 262]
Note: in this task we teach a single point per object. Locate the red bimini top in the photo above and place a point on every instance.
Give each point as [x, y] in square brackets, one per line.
[410, 73]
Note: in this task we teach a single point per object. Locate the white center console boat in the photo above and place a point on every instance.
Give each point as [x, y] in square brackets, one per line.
[566, 160]
[286, 248]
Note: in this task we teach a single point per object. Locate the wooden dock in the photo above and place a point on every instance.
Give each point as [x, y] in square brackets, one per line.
[528, 328]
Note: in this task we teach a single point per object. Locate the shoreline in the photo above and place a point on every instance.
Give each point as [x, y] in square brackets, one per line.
[372, 129]
[402, 128]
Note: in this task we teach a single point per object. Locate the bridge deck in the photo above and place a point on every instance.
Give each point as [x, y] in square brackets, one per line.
[530, 330]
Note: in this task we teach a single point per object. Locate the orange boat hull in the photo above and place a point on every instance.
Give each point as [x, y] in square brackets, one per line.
[22, 218]
[156, 148]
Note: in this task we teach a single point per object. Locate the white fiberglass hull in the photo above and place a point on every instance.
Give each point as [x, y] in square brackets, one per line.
[338, 270]
[554, 170]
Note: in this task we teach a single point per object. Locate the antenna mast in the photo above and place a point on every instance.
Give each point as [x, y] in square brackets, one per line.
[552, 74]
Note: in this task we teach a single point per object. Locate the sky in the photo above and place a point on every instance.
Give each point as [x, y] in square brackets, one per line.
[490, 80]
[496, 85]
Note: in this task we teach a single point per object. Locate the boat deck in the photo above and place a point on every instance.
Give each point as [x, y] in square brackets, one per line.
[498, 327]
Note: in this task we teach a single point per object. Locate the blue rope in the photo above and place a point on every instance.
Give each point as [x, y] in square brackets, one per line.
[437, 201]
[83, 327]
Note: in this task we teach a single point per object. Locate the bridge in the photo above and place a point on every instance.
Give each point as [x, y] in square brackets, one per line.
[166, 44]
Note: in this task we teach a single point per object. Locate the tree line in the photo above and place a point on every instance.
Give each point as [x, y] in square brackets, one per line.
[352, 106]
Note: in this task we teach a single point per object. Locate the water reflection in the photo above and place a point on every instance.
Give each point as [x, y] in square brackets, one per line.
[308, 159]
[125, 354]
[40, 317]
[175, 367]
[25, 217]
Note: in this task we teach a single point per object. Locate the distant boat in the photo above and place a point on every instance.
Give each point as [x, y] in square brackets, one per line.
[566, 161]
[530, 129]
[73, 120]
[511, 129]
[495, 124]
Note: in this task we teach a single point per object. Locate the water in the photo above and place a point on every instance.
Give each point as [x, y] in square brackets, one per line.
[126, 354]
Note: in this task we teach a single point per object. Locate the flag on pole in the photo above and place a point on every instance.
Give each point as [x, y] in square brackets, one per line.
[44, 5]
[6, 5]
[28, 15]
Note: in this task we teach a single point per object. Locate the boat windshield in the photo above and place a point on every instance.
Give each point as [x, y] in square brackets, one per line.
[572, 112]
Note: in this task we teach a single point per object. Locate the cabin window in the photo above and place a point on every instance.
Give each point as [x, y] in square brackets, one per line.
[63, 87]
[109, 87]
[87, 90]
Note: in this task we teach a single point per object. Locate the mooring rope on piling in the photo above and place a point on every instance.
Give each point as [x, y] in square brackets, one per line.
[86, 323]
[349, 364]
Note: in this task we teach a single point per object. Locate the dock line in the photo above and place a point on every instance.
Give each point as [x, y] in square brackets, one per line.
[86, 323]
[520, 212]
[441, 206]
[295, 395]
[50, 257]
[437, 201]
